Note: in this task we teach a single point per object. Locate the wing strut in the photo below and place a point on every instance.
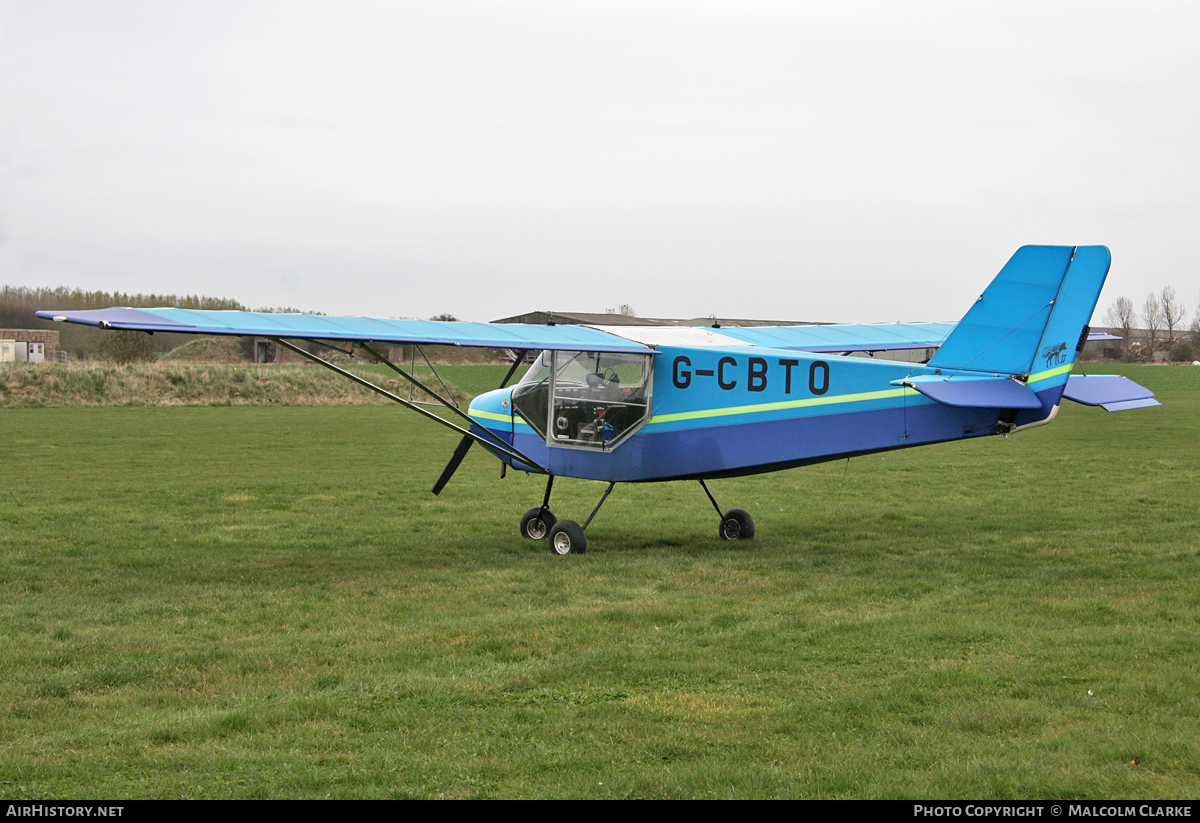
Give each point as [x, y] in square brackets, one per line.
[412, 367]
[491, 442]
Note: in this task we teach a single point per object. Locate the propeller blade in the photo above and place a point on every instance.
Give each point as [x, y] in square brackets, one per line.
[464, 446]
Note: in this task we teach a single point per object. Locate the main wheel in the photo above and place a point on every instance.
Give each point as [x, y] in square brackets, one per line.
[567, 538]
[737, 525]
[535, 527]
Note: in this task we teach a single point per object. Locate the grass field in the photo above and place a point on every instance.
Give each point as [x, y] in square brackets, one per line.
[267, 602]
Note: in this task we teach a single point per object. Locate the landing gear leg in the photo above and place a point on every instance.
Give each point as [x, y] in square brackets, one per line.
[736, 524]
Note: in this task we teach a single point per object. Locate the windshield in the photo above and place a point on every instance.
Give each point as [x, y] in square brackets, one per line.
[591, 399]
[575, 366]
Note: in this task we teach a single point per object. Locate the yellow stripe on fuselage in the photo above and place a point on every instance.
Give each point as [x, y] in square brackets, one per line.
[503, 418]
[787, 404]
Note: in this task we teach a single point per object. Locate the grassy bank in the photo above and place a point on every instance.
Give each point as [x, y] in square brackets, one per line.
[24, 385]
[93, 383]
[267, 602]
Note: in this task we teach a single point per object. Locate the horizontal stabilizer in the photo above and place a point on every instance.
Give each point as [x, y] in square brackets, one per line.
[1111, 392]
[974, 392]
[1130, 404]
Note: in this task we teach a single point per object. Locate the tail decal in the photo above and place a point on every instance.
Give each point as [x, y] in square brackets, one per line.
[1065, 333]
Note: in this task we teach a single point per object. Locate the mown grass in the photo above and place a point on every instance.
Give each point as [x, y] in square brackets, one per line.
[267, 602]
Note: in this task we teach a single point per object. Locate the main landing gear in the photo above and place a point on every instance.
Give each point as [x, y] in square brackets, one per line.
[537, 523]
[567, 536]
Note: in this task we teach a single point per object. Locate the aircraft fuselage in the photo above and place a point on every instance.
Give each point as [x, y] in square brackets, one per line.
[727, 411]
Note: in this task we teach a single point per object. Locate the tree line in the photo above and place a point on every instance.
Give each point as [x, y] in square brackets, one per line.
[1164, 318]
[18, 304]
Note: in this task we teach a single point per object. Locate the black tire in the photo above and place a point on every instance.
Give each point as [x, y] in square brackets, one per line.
[567, 537]
[536, 528]
[737, 525]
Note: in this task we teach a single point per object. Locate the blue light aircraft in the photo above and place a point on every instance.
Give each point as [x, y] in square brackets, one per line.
[635, 404]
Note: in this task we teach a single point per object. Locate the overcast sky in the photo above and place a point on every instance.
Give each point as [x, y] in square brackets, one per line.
[844, 161]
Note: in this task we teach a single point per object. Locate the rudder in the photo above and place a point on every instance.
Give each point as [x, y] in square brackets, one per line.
[1031, 317]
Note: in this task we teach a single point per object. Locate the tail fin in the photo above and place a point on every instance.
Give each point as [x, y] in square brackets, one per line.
[1033, 316]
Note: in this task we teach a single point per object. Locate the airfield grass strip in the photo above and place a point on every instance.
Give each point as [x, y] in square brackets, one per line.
[261, 602]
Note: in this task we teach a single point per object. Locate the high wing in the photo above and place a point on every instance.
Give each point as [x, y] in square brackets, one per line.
[320, 327]
[845, 338]
[823, 339]
[629, 339]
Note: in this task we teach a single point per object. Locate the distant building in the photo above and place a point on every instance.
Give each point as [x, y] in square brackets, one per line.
[1138, 343]
[28, 345]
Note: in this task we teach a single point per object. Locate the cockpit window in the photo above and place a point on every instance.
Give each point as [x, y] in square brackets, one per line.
[538, 371]
[589, 399]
